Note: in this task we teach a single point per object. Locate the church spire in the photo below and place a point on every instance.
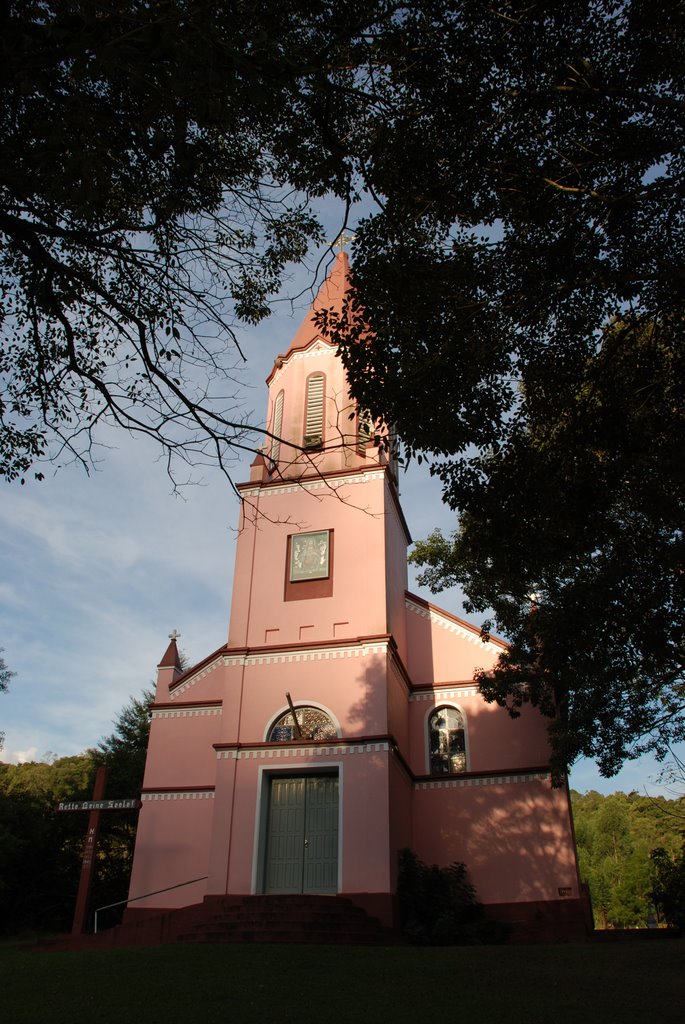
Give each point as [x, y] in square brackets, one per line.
[314, 425]
[331, 295]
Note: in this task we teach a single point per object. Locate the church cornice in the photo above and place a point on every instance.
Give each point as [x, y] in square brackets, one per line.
[354, 745]
[312, 481]
[283, 654]
[317, 346]
[446, 620]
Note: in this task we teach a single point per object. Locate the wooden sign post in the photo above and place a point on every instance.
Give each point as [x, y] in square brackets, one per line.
[95, 806]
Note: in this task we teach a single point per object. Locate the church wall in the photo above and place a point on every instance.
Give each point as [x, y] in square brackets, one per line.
[348, 683]
[401, 816]
[222, 823]
[180, 752]
[172, 845]
[356, 606]
[237, 859]
[493, 826]
[494, 741]
[396, 573]
[398, 708]
[441, 649]
[365, 821]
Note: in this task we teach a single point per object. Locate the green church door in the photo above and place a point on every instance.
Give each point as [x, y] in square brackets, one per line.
[302, 835]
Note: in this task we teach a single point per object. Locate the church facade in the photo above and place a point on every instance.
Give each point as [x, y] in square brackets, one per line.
[340, 723]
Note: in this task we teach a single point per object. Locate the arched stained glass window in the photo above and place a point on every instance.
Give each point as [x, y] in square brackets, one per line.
[311, 724]
[446, 741]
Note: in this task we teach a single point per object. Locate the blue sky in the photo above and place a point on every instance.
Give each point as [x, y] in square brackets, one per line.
[97, 570]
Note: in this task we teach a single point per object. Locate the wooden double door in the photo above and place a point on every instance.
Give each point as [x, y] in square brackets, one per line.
[302, 835]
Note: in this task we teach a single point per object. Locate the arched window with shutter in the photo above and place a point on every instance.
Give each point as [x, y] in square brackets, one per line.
[313, 422]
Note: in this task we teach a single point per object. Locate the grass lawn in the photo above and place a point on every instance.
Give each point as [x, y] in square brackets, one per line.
[578, 984]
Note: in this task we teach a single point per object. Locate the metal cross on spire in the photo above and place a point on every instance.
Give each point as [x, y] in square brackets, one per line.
[343, 239]
[174, 635]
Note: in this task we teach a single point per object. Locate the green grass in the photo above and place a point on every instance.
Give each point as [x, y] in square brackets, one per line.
[578, 984]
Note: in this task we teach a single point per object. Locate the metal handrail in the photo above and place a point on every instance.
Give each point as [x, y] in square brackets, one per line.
[108, 906]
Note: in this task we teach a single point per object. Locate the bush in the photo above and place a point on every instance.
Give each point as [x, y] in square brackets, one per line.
[438, 906]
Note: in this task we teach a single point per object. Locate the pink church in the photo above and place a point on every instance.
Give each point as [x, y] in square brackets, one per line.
[340, 724]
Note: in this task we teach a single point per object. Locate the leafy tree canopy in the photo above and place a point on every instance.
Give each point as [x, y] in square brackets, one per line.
[157, 163]
[41, 850]
[521, 266]
[627, 848]
[524, 284]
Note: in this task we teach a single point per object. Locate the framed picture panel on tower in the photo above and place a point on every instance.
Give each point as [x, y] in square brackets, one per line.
[309, 565]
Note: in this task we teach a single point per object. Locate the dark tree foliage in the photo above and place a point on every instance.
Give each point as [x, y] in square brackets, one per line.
[5, 676]
[438, 906]
[123, 754]
[668, 891]
[157, 162]
[521, 266]
[583, 509]
[41, 849]
[524, 284]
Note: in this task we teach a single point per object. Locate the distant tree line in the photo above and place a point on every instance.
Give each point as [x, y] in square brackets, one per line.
[632, 856]
[41, 849]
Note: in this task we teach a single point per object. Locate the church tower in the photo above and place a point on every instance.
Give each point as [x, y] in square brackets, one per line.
[321, 506]
[340, 723]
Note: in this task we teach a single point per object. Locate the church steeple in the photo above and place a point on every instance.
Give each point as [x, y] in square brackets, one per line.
[321, 553]
[313, 424]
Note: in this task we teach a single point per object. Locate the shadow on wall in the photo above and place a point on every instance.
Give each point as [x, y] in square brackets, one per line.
[514, 838]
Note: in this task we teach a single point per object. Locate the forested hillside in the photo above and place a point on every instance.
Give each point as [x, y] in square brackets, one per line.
[616, 837]
[41, 849]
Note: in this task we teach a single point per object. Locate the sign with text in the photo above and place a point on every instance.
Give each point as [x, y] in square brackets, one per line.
[99, 805]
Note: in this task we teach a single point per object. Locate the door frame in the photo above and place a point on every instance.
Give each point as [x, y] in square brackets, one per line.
[265, 775]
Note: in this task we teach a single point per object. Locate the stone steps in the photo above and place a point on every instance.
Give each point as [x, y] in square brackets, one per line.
[326, 920]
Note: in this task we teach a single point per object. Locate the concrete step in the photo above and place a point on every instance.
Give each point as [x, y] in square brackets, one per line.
[327, 920]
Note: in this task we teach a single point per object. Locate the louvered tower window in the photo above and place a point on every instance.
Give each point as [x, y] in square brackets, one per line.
[313, 427]
[364, 430]
[276, 429]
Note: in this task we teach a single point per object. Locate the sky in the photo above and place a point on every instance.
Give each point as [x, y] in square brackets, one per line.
[97, 570]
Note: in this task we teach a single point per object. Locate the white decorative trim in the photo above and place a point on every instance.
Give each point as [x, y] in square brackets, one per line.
[282, 657]
[445, 622]
[328, 483]
[317, 348]
[200, 794]
[278, 753]
[441, 693]
[187, 712]
[489, 780]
